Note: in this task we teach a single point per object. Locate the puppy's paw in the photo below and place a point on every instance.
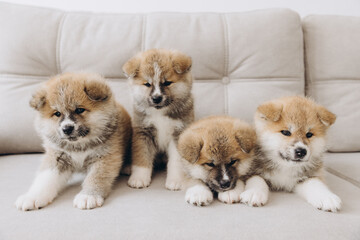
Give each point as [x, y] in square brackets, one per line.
[328, 202]
[231, 196]
[254, 198]
[28, 202]
[86, 201]
[173, 184]
[139, 182]
[199, 195]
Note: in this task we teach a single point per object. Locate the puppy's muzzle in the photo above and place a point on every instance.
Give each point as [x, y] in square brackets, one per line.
[300, 153]
[68, 129]
[156, 99]
[224, 184]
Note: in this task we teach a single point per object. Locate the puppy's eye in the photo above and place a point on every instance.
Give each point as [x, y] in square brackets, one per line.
[210, 164]
[309, 134]
[286, 132]
[147, 84]
[79, 110]
[167, 83]
[57, 114]
[233, 161]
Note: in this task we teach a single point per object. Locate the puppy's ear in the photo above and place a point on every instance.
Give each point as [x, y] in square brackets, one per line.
[246, 138]
[270, 111]
[326, 117]
[97, 90]
[190, 145]
[181, 62]
[131, 67]
[38, 100]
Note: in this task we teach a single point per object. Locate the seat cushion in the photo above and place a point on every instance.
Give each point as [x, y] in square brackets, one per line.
[156, 213]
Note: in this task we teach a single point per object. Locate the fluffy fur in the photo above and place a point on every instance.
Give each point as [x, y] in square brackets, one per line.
[83, 129]
[291, 140]
[161, 84]
[216, 153]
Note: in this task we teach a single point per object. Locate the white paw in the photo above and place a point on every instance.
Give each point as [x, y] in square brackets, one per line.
[85, 201]
[173, 185]
[138, 182]
[328, 202]
[199, 195]
[231, 196]
[254, 198]
[29, 202]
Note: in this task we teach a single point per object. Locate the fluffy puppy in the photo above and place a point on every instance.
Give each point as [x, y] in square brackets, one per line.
[161, 84]
[291, 140]
[83, 129]
[216, 152]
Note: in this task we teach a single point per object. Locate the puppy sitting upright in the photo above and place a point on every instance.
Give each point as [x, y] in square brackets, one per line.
[217, 152]
[291, 133]
[161, 84]
[83, 129]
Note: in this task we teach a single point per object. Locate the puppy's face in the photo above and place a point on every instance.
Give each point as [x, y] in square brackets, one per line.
[159, 77]
[217, 151]
[73, 108]
[293, 129]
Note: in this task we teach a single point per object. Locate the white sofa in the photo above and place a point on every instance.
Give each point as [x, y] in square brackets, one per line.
[239, 61]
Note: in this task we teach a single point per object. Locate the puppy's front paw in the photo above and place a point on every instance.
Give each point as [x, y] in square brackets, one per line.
[231, 196]
[254, 198]
[86, 201]
[138, 182]
[173, 184]
[328, 202]
[199, 195]
[28, 202]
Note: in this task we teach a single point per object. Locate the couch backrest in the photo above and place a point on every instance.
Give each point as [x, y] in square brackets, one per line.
[239, 59]
[332, 50]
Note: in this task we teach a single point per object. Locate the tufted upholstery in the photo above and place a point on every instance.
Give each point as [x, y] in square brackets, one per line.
[239, 59]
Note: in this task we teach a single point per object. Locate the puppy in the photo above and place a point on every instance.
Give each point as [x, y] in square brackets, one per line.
[216, 152]
[83, 129]
[291, 140]
[161, 84]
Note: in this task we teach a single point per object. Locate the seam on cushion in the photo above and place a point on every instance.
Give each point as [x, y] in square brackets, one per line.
[226, 61]
[58, 43]
[342, 176]
[143, 44]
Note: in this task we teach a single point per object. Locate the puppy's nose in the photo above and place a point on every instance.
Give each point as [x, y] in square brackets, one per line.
[224, 184]
[300, 152]
[157, 99]
[68, 129]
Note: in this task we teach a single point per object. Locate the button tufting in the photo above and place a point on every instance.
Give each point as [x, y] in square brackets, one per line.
[226, 80]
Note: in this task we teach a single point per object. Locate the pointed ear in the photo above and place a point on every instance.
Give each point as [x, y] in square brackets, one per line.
[38, 100]
[181, 62]
[131, 67]
[246, 138]
[326, 117]
[270, 111]
[190, 145]
[97, 90]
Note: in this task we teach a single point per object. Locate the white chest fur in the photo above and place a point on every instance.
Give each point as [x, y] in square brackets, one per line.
[285, 177]
[164, 125]
[78, 158]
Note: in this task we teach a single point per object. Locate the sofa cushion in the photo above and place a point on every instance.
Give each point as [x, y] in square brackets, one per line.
[239, 59]
[332, 53]
[156, 213]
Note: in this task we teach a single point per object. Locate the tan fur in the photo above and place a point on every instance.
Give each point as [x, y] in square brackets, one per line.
[64, 93]
[299, 112]
[217, 140]
[153, 73]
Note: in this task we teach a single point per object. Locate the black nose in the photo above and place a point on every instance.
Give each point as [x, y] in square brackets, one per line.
[224, 183]
[300, 152]
[68, 129]
[157, 99]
